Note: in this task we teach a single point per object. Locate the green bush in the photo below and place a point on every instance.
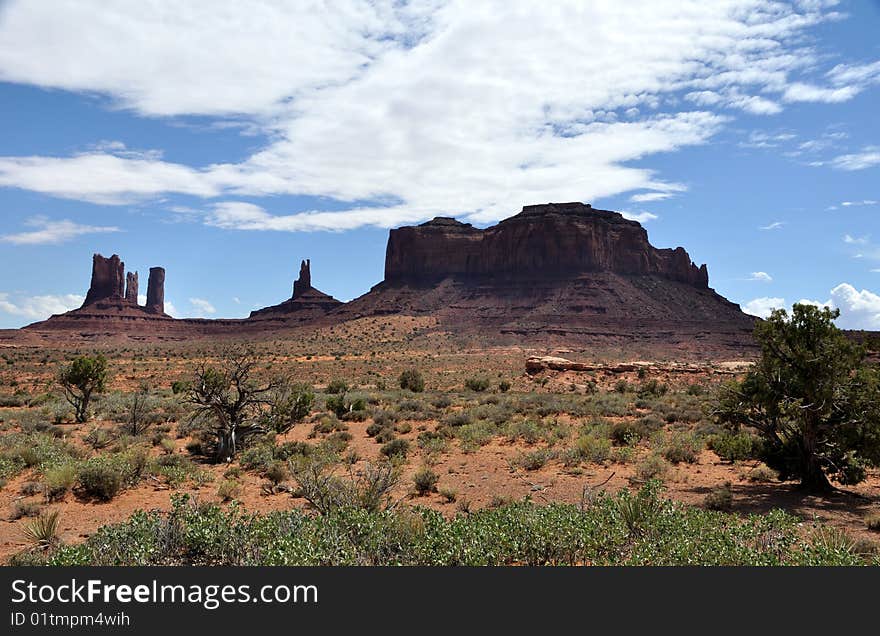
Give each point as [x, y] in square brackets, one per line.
[425, 481]
[395, 448]
[336, 387]
[412, 380]
[478, 384]
[624, 529]
[733, 447]
[680, 448]
[720, 498]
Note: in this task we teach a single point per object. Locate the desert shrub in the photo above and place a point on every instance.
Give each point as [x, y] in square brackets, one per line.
[472, 436]
[25, 509]
[336, 387]
[384, 436]
[456, 420]
[432, 442]
[441, 401]
[345, 407]
[425, 481]
[277, 473]
[504, 386]
[527, 430]
[762, 474]
[403, 428]
[59, 480]
[477, 384]
[99, 438]
[105, 476]
[382, 419]
[720, 498]
[228, 490]
[534, 460]
[449, 495]
[695, 389]
[395, 448]
[412, 380]
[99, 480]
[735, 446]
[628, 433]
[167, 445]
[591, 447]
[289, 404]
[368, 490]
[179, 386]
[872, 521]
[678, 448]
[653, 467]
[623, 529]
[375, 428]
[622, 386]
[653, 387]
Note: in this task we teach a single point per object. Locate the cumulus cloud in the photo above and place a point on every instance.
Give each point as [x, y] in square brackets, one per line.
[762, 277]
[48, 232]
[407, 110]
[762, 307]
[858, 309]
[38, 307]
[202, 308]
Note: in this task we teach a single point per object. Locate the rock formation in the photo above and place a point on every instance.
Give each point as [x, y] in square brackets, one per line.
[108, 279]
[557, 270]
[156, 291]
[306, 303]
[131, 287]
[552, 240]
[304, 283]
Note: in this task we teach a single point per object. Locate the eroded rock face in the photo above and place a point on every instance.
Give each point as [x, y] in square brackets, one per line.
[131, 287]
[156, 291]
[304, 282]
[553, 240]
[108, 279]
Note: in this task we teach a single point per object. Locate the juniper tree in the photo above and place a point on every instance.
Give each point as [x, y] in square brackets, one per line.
[812, 397]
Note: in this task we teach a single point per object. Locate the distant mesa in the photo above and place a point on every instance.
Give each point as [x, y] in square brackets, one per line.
[559, 269]
[554, 272]
[306, 302]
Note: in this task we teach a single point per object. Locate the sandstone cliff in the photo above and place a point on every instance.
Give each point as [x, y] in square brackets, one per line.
[554, 240]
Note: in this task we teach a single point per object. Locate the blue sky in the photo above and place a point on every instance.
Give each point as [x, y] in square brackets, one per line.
[228, 141]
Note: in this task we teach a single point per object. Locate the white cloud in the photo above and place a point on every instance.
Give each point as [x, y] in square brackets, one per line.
[39, 307]
[202, 308]
[365, 102]
[649, 196]
[856, 240]
[799, 92]
[847, 204]
[47, 232]
[762, 307]
[858, 309]
[762, 277]
[641, 217]
[776, 225]
[867, 158]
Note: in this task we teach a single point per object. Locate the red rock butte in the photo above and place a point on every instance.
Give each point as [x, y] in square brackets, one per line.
[562, 272]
